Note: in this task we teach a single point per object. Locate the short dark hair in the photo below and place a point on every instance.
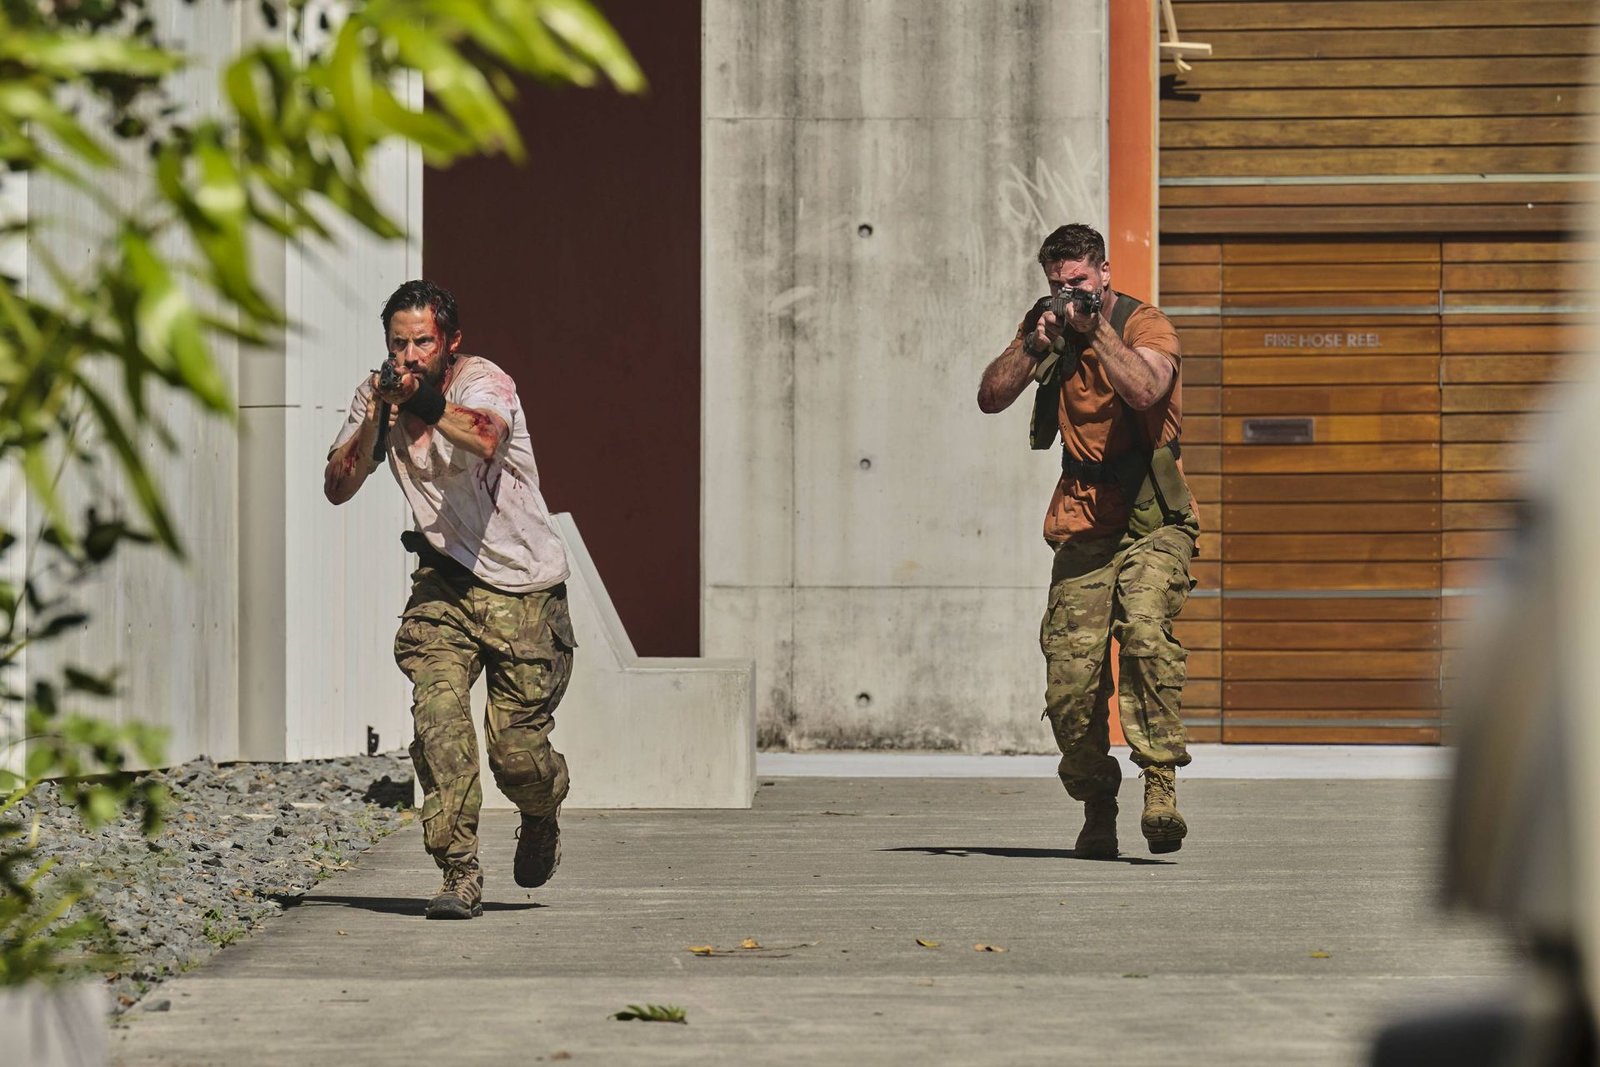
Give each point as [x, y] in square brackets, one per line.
[424, 294]
[1073, 242]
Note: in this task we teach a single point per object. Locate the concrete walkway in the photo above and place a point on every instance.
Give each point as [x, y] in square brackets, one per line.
[1299, 914]
[1210, 761]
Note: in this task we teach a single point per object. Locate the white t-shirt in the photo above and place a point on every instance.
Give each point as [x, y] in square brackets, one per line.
[487, 514]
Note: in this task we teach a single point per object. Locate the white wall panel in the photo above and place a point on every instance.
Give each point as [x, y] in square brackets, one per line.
[13, 496]
[169, 626]
[335, 578]
[272, 638]
[906, 157]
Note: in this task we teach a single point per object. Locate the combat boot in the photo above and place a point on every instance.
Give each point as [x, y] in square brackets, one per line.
[461, 896]
[538, 850]
[1163, 827]
[1098, 838]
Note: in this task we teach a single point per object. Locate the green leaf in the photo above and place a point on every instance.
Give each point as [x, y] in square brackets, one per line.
[351, 83]
[27, 103]
[133, 467]
[460, 88]
[67, 54]
[583, 29]
[653, 1013]
[58, 624]
[40, 762]
[100, 808]
[97, 684]
[440, 141]
[240, 84]
[168, 324]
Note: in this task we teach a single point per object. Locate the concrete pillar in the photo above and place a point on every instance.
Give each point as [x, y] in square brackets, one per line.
[878, 176]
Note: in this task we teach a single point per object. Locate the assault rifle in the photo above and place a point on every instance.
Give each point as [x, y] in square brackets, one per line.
[388, 378]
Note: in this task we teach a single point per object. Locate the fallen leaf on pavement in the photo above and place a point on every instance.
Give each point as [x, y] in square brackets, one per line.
[981, 947]
[927, 944]
[750, 948]
[653, 1013]
[1320, 955]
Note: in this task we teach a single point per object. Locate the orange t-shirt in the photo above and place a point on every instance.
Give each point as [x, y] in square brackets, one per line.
[1095, 424]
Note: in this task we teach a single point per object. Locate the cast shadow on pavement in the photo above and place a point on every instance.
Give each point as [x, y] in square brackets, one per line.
[393, 905]
[1020, 854]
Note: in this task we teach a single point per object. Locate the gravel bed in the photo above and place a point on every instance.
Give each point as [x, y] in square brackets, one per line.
[238, 838]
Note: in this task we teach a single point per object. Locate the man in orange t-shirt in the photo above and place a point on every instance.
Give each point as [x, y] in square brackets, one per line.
[1121, 525]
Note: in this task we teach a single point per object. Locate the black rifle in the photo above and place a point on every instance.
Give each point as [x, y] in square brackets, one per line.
[389, 378]
[1086, 301]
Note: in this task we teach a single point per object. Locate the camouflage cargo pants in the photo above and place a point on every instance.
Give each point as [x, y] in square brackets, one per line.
[451, 631]
[1129, 589]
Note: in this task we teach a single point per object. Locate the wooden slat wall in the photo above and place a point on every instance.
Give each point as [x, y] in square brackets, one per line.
[1354, 511]
[1191, 275]
[1404, 497]
[1500, 370]
[1341, 90]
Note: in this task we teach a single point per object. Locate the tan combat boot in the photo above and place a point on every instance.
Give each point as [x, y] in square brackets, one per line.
[461, 896]
[1163, 827]
[1098, 838]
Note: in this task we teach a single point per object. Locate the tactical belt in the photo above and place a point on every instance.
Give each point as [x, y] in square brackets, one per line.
[447, 566]
[1116, 471]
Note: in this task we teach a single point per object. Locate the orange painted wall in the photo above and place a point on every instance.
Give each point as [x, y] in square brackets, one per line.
[1131, 242]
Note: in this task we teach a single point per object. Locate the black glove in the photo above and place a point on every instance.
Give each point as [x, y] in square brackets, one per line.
[1030, 321]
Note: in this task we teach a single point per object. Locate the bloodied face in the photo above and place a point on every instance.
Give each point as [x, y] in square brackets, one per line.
[1078, 274]
[416, 345]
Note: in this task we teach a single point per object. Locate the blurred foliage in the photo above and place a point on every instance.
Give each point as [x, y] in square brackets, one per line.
[179, 197]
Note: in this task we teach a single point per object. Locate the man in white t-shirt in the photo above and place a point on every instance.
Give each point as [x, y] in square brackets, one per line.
[489, 593]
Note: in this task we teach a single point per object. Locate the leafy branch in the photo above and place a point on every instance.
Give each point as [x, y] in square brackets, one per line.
[133, 292]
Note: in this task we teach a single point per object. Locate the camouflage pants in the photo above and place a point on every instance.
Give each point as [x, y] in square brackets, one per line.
[1130, 589]
[451, 631]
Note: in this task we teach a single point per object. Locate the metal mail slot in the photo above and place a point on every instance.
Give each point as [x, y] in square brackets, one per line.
[1278, 431]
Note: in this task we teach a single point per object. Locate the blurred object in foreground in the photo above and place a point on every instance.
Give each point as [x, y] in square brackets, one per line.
[1518, 842]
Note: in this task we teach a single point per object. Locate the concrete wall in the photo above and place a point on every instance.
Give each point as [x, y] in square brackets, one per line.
[878, 175]
[641, 731]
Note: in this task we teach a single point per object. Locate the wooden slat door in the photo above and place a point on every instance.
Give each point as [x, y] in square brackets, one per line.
[1338, 573]
[1331, 547]
[1513, 314]
[1191, 276]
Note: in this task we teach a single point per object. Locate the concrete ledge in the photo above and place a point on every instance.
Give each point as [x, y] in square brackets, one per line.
[643, 732]
[1210, 761]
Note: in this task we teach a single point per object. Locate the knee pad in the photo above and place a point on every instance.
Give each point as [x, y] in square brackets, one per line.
[531, 773]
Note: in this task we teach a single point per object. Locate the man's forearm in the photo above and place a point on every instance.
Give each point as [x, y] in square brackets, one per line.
[1005, 378]
[350, 464]
[479, 432]
[1138, 379]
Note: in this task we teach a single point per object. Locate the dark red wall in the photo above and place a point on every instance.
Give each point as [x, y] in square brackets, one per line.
[579, 273]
